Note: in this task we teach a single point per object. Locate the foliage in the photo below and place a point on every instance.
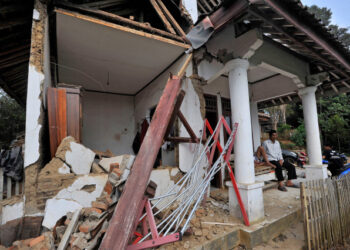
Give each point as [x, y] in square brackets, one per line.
[289, 146]
[12, 119]
[334, 117]
[325, 15]
[284, 130]
[299, 135]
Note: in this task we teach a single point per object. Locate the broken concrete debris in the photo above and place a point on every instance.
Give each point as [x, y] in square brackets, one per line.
[75, 155]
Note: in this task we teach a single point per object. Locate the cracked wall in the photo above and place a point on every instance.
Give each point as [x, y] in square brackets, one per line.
[38, 80]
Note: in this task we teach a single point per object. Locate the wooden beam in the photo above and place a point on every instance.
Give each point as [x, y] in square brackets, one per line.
[124, 220]
[179, 100]
[172, 19]
[70, 230]
[181, 140]
[187, 126]
[162, 16]
[115, 18]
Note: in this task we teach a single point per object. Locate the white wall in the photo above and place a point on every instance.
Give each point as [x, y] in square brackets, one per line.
[149, 98]
[220, 85]
[108, 122]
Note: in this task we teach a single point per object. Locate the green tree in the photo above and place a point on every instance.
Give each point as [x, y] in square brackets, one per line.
[334, 117]
[12, 119]
[325, 15]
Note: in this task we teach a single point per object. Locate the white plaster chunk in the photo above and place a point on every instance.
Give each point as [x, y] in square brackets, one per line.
[162, 178]
[84, 198]
[124, 161]
[73, 197]
[80, 158]
[64, 169]
[36, 15]
[12, 212]
[75, 155]
[33, 108]
[56, 209]
[174, 171]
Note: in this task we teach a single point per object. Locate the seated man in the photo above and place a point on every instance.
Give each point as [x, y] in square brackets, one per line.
[274, 155]
[260, 158]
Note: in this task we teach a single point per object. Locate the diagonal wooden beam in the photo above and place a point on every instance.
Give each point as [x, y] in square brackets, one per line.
[179, 101]
[124, 220]
[171, 19]
[162, 17]
[187, 126]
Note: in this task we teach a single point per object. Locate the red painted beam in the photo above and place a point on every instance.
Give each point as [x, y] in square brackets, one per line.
[125, 217]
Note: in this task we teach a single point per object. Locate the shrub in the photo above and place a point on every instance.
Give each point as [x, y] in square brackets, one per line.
[298, 135]
[284, 131]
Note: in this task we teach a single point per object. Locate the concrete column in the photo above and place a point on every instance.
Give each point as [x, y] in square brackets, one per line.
[221, 138]
[240, 108]
[315, 170]
[255, 125]
[250, 191]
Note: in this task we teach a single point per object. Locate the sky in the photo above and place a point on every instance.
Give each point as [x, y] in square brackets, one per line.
[339, 8]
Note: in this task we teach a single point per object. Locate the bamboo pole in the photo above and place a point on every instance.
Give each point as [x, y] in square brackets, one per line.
[304, 207]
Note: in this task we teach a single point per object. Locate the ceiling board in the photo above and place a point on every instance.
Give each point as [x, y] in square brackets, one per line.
[103, 58]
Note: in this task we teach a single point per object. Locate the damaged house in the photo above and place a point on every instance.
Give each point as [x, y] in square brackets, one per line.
[91, 74]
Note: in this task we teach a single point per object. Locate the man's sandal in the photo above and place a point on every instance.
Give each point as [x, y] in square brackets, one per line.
[282, 188]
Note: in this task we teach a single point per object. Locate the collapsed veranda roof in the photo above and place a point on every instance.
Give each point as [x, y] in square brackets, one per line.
[287, 22]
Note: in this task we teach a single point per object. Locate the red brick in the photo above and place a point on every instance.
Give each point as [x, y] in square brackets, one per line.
[99, 205]
[117, 171]
[36, 240]
[108, 188]
[84, 228]
[90, 210]
[113, 166]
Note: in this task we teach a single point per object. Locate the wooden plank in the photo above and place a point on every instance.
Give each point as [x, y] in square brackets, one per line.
[311, 212]
[187, 126]
[171, 19]
[124, 220]
[178, 103]
[304, 207]
[1, 184]
[57, 115]
[181, 140]
[158, 34]
[70, 229]
[9, 188]
[162, 17]
[74, 115]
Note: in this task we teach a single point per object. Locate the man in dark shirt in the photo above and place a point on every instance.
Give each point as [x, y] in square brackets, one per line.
[335, 162]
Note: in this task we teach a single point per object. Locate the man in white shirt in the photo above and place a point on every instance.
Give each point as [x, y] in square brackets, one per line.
[274, 155]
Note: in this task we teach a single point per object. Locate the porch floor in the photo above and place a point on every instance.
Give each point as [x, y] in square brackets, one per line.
[282, 212]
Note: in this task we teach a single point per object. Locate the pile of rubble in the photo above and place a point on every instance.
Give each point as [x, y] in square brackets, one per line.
[78, 191]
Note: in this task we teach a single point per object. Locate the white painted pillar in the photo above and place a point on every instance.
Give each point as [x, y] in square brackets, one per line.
[240, 108]
[251, 192]
[255, 125]
[221, 138]
[315, 170]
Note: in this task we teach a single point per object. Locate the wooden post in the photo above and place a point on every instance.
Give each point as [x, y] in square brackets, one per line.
[1, 184]
[125, 219]
[306, 215]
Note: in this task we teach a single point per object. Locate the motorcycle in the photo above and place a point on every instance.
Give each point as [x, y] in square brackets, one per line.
[296, 159]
